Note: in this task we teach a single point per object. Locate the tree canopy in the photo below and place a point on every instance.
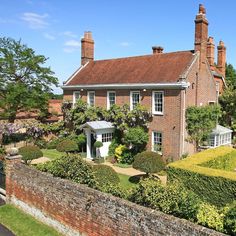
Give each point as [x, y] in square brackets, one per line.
[228, 99]
[25, 83]
[200, 122]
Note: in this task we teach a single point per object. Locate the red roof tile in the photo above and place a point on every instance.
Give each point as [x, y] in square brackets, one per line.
[157, 68]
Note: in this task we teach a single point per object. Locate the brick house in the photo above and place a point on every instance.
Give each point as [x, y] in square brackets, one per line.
[166, 83]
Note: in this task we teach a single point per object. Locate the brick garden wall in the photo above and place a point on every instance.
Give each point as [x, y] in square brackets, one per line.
[75, 209]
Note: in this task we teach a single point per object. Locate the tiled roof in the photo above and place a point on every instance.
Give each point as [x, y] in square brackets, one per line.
[96, 125]
[157, 68]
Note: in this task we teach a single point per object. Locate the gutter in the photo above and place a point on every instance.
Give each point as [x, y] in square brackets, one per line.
[177, 85]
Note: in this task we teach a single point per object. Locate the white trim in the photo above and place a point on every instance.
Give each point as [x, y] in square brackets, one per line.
[76, 72]
[177, 85]
[108, 102]
[74, 99]
[211, 102]
[88, 101]
[153, 103]
[131, 98]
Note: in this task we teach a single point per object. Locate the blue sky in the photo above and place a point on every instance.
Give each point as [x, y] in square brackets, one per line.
[120, 28]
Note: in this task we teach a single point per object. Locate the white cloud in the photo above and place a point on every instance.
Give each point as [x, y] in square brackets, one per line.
[69, 34]
[49, 36]
[125, 44]
[72, 43]
[34, 20]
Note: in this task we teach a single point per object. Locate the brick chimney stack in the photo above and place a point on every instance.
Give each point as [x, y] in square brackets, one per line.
[87, 48]
[221, 57]
[201, 34]
[211, 51]
[157, 49]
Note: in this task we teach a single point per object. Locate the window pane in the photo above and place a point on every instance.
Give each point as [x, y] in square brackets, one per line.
[111, 99]
[91, 98]
[135, 99]
[107, 137]
[158, 102]
[157, 141]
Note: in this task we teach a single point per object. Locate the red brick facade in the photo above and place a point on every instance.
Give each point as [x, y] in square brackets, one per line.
[195, 68]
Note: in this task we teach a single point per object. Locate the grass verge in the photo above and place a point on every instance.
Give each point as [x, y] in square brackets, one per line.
[23, 224]
[51, 153]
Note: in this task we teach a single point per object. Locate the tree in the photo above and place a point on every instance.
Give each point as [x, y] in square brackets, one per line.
[200, 121]
[228, 99]
[25, 84]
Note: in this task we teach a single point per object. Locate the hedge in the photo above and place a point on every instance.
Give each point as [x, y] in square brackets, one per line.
[215, 186]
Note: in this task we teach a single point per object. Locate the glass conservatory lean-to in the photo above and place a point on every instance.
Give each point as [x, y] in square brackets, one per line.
[220, 136]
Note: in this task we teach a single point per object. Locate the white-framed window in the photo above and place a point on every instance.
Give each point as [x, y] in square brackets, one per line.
[134, 99]
[76, 96]
[156, 141]
[107, 137]
[111, 99]
[158, 102]
[211, 102]
[91, 98]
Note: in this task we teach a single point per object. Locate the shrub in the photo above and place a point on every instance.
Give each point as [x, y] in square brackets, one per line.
[41, 143]
[67, 145]
[114, 144]
[211, 185]
[115, 189]
[148, 162]
[136, 138]
[209, 216]
[230, 219]
[105, 175]
[29, 153]
[71, 167]
[172, 199]
[98, 144]
[53, 143]
[118, 152]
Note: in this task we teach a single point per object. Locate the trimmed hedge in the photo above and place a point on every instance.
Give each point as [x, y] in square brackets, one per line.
[67, 145]
[29, 153]
[105, 175]
[148, 162]
[215, 186]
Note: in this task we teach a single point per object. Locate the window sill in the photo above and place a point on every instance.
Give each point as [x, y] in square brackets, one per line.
[157, 114]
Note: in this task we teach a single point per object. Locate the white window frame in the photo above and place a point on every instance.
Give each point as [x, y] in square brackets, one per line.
[108, 99]
[74, 97]
[131, 98]
[107, 137]
[211, 102]
[153, 103]
[88, 98]
[154, 131]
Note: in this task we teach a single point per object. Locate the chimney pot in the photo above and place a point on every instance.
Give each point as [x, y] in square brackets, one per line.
[157, 49]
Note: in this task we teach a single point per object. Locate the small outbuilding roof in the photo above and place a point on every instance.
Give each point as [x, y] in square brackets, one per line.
[97, 125]
[221, 130]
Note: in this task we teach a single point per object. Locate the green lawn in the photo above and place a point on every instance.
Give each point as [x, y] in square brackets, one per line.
[51, 153]
[128, 181]
[23, 224]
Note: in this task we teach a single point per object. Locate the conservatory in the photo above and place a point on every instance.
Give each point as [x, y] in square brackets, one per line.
[98, 131]
[220, 136]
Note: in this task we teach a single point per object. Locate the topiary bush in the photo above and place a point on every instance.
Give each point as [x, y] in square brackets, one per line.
[29, 153]
[105, 175]
[67, 145]
[98, 144]
[148, 162]
[71, 167]
[53, 143]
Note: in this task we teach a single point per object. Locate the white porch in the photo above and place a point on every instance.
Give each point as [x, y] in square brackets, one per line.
[98, 131]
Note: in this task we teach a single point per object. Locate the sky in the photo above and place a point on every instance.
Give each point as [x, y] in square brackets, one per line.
[121, 28]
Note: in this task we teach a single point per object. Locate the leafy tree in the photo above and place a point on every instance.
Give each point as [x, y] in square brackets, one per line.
[136, 138]
[200, 122]
[25, 84]
[228, 99]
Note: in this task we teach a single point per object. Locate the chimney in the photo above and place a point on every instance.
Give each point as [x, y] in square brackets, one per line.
[211, 51]
[201, 33]
[87, 48]
[157, 49]
[221, 57]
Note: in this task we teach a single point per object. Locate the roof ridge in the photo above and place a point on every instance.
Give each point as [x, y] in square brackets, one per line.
[147, 55]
